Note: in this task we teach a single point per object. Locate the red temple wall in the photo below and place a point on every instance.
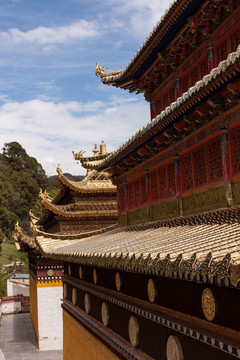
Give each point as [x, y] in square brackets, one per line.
[224, 41]
[197, 167]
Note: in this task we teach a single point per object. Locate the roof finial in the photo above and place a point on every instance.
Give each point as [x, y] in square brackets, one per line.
[103, 148]
[99, 70]
[95, 150]
[59, 170]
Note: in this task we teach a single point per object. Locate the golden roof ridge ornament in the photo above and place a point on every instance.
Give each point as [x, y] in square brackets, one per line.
[43, 195]
[78, 156]
[99, 70]
[59, 170]
[17, 227]
[33, 227]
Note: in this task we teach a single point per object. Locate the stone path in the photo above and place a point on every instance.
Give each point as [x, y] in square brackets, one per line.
[17, 340]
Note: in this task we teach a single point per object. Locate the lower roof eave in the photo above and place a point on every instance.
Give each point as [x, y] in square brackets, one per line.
[202, 247]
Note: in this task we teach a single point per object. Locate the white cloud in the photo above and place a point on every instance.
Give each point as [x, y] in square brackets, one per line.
[50, 131]
[47, 36]
[140, 15]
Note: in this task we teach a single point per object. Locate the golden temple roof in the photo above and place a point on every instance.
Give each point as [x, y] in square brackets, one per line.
[21, 237]
[98, 182]
[80, 209]
[206, 244]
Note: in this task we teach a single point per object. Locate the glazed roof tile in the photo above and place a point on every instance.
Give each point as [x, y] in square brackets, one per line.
[202, 240]
[221, 71]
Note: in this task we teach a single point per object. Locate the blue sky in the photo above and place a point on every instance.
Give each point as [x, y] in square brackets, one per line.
[51, 101]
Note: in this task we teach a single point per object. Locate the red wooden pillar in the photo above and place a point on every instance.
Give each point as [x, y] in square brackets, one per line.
[177, 175]
[126, 196]
[178, 185]
[148, 190]
[119, 209]
[225, 155]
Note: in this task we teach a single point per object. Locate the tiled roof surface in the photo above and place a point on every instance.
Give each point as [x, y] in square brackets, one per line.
[205, 244]
[220, 71]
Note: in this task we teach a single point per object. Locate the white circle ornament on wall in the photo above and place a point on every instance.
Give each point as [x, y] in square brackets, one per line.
[50, 272]
[208, 304]
[174, 349]
[133, 331]
[105, 313]
[87, 303]
[65, 289]
[74, 296]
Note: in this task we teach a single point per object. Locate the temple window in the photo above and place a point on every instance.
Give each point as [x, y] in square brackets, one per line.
[162, 193]
[154, 185]
[215, 160]
[187, 172]
[137, 192]
[131, 195]
[171, 180]
[162, 182]
[143, 189]
[199, 166]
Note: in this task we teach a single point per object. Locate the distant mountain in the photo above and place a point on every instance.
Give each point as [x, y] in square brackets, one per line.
[71, 177]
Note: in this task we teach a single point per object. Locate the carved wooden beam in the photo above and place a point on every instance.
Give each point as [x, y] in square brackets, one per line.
[143, 151]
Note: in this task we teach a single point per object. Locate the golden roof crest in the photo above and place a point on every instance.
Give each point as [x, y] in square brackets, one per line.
[99, 70]
[43, 195]
[79, 155]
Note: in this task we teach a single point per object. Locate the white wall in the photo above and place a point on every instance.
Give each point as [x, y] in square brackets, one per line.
[15, 289]
[10, 307]
[50, 325]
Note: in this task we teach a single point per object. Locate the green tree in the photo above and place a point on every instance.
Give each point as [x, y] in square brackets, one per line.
[19, 160]
[23, 178]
